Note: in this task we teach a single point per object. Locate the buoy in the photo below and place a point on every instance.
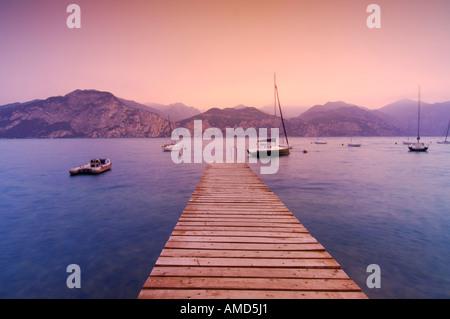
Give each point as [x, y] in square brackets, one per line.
[305, 151]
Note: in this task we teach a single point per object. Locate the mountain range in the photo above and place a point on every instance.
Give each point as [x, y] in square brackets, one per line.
[96, 114]
[172, 112]
[86, 113]
[434, 118]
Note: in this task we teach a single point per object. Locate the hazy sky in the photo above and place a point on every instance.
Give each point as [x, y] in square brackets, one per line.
[221, 53]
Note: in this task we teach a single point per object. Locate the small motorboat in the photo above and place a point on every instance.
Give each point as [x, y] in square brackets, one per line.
[95, 166]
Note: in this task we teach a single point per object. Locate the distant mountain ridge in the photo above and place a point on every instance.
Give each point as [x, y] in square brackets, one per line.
[244, 117]
[433, 117]
[331, 119]
[81, 113]
[91, 113]
[288, 111]
[174, 112]
[342, 119]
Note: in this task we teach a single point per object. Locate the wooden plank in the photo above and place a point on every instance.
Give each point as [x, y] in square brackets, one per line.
[245, 272]
[238, 219]
[251, 283]
[250, 215]
[246, 294]
[314, 254]
[244, 204]
[236, 202]
[299, 229]
[247, 262]
[220, 239]
[236, 223]
[240, 207]
[237, 233]
[218, 210]
[244, 246]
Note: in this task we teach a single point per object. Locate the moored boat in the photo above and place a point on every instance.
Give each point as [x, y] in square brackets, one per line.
[446, 135]
[351, 144]
[95, 166]
[265, 147]
[418, 146]
[171, 147]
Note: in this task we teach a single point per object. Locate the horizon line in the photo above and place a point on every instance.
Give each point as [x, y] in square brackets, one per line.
[149, 103]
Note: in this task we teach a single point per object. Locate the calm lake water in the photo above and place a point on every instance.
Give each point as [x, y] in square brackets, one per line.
[378, 204]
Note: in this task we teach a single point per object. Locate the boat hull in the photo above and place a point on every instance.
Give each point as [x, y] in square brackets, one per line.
[170, 147]
[418, 148]
[88, 169]
[282, 151]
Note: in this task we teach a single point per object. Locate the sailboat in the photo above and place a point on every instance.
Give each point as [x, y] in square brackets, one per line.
[265, 146]
[418, 146]
[446, 135]
[319, 141]
[172, 146]
[351, 144]
[406, 142]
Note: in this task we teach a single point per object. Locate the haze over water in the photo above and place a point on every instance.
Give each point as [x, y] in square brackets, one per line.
[378, 204]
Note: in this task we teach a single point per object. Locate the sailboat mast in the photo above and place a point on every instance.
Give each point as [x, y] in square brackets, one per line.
[170, 127]
[279, 106]
[418, 118]
[274, 100]
[448, 127]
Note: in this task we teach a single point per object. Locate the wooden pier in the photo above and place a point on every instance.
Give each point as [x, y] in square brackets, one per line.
[235, 239]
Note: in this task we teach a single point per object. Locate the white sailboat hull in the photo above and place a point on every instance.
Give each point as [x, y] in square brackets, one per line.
[418, 147]
[273, 151]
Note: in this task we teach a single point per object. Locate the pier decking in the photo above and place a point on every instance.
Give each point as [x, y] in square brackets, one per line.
[236, 239]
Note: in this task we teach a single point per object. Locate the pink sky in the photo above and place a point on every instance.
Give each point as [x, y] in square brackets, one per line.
[218, 53]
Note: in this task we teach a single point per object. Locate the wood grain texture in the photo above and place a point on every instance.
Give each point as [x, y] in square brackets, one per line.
[236, 240]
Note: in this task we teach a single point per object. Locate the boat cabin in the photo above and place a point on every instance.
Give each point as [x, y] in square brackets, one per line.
[96, 162]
